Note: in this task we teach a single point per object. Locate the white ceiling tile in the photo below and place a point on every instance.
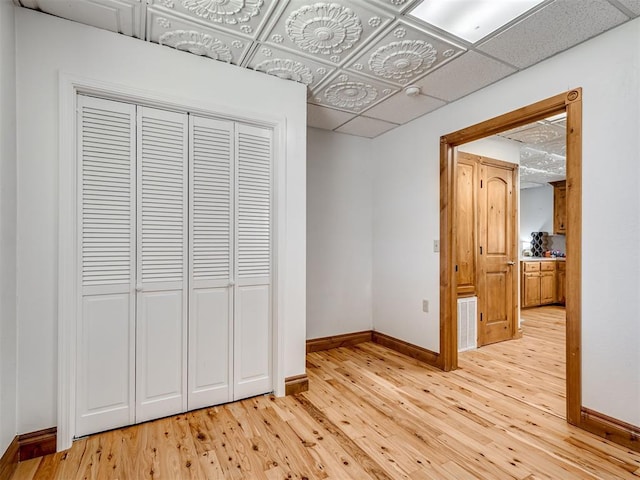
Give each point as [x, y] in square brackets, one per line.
[366, 127]
[167, 29]
[401, 108]
[289, 66]
[558, 26]
[328, 31]
[119, 16]
[244, 18]
[350, 92]
[326, 118]
[403, 54]
[468, 73]
[632, 5]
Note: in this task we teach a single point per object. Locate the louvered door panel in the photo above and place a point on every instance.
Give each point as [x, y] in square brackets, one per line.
[211, 268]
[161, 263]
[106, 335]
[252, 301]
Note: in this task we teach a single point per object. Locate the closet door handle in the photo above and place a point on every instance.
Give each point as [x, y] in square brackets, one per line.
[231, 283]
[138, 287]
[511, 263]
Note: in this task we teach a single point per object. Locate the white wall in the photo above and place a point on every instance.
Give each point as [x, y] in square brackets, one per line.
[339, 228]
[494, 147]
[48, 46]
[406, 210]
[536, 211]
[7, 226]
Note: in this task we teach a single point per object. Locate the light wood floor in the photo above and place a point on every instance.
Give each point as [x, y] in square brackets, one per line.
[372, 413]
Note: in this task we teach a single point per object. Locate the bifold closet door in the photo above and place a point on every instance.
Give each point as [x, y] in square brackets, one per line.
[162, 214]
[105, 361]
[211, 265]
[252, 302]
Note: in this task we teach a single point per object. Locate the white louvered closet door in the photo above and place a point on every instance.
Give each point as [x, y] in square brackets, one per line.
[161, 315]
[253, 268]
[106, 219]
[211, 266]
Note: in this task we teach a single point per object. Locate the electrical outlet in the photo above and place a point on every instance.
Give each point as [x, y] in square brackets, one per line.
[436, 246]
[425, 306]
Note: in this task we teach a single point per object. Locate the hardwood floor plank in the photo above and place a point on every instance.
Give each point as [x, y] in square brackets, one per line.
[372, 413]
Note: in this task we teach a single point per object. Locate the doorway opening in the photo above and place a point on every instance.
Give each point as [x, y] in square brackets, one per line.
[569, 103]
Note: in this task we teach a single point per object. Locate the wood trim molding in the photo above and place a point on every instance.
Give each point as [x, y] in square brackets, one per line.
[37, 444]
[9, 460]
[408, 349]
[610, 428]
[336, 341]
[296, 384]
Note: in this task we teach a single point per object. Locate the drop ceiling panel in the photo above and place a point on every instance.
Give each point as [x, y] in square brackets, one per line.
[560, 25]
[119, 16]
[632, 5]
[289, 66]
[326, 118]
[170, 30]
[366, 127]
[468, 73]
[353, 93]
[403, 54]
[242, 17]
[330, 32]
[401, 108]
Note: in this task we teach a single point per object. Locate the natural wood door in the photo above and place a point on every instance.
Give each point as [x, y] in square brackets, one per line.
[466, 227]
[496, 256]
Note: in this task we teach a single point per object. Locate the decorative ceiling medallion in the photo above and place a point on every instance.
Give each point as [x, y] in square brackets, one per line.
[402, 60]
[375, 22]
[344, 77]
[449, 53]
[266, 51]
[166, 3]
[277, 38]
[224, 11]
[324, 28]
[358, 66]
[398, 2]
[246, 29]
[321, 70]
[353, 95]
[335, 58]
[197, 43]
[386, 91]
[237, 44]
[287, 70]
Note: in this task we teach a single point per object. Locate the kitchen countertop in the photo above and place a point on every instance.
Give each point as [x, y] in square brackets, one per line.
[542, 259]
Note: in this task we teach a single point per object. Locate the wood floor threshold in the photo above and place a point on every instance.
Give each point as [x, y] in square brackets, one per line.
[296, 384]
[610, 428]
[10, 459]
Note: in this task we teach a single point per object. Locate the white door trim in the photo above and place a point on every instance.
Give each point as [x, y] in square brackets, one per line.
[69, 87]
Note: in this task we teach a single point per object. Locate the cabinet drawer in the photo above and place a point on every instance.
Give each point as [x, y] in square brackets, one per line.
[547, 266]
[531, 266]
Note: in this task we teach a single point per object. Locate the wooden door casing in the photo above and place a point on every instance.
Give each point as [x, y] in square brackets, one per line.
[497, 283]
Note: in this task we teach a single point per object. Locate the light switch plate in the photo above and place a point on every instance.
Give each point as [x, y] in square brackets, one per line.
[425, 306]
[436, 246]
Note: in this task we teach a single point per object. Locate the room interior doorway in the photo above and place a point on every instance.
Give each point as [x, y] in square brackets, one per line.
[571, 103]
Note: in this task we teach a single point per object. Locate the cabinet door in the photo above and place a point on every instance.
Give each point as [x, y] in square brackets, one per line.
[162, 264]
[531, 289]
[106, 218]
[547, 288]
[252, 306]
[211, 267]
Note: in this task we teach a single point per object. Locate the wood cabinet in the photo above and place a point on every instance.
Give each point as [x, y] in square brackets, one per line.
[561, 280]
[559, 207]
[542, 283]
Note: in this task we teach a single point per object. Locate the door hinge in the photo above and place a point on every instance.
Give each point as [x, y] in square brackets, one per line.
[456, 268]
[480, 316]
[480, 249]
[480, 183]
